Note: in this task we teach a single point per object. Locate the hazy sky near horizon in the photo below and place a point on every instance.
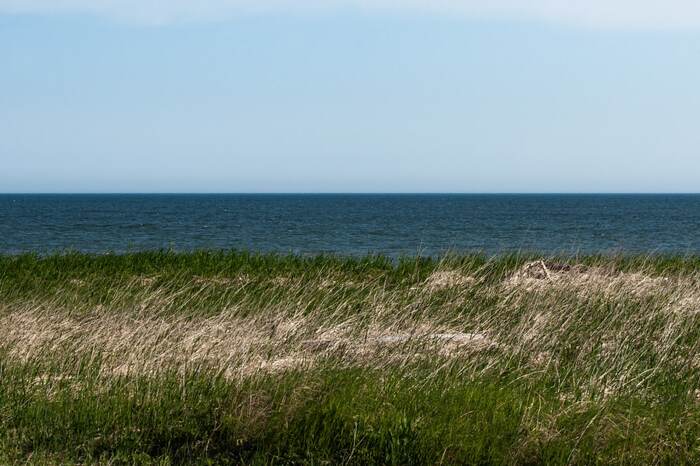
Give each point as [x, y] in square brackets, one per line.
[349, 96]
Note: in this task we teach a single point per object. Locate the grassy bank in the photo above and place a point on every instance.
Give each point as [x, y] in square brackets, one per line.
[241, 358]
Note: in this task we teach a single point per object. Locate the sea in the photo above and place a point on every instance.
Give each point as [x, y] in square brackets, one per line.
[352, 224]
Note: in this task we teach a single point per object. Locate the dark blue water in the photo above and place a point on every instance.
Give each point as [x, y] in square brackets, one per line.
[352, 224]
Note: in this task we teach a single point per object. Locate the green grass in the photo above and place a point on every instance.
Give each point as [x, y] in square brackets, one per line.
[240, 358]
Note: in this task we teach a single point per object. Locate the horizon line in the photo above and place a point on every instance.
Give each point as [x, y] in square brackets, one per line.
[321, 193]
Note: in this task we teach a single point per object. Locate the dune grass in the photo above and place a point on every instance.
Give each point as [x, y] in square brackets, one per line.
[241, 358]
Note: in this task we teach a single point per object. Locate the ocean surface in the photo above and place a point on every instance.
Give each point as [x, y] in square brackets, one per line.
[350, 224]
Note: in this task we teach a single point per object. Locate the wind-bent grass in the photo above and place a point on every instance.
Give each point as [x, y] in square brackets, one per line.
[243, 358]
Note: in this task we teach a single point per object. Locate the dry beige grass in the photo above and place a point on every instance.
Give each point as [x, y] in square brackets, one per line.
[443, 279]
[533, 316]
[233, 345]
[538, 276]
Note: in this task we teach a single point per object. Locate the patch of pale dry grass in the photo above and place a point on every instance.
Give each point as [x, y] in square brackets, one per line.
[541, 276]
[444, 279]
[232, 345]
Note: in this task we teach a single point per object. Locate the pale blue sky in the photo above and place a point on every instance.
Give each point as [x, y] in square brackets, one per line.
[347, 99]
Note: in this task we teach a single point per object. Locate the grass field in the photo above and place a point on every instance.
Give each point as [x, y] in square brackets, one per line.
[213, 357]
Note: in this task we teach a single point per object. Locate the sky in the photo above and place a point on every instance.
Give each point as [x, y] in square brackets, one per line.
[349, 96]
